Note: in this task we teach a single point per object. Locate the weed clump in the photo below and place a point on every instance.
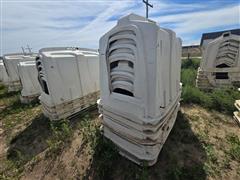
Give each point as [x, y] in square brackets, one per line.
[188, 76]
[190, 63]
[234, 150]
[61, 133]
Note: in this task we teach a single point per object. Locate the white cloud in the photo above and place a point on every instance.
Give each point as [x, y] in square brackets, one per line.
[196, 21]
[82, 23]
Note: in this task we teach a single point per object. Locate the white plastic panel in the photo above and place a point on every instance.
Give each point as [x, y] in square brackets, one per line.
[66, 75]
[29, 80]
[11, 62]
[3, 73]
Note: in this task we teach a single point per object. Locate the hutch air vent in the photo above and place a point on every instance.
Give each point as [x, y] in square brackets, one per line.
[121, 59]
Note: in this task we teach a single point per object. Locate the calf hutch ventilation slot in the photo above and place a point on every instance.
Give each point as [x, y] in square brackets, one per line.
[41, 75]
[227, 53]
[121, 59]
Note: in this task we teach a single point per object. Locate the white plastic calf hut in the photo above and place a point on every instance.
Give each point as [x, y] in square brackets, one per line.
[69, 78]
[140, 86]
[29, 80]
[3, 73]
[220, 66]
[11, 61]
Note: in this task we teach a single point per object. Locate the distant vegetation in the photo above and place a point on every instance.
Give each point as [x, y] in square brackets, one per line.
[219, 99]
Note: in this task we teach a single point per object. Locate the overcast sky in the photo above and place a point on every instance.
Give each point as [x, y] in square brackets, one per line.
[46, 23]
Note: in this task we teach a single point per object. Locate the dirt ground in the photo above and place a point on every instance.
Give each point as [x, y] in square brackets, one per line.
[202, 145]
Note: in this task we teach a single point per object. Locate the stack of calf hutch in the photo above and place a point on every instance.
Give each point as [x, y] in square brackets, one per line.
[29, 81]
[69, 79]
[140, 86]
[11, 62]
[220, 66]
[3, 73]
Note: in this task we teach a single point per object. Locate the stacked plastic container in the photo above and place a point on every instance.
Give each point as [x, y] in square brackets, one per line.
[69, 79]
[140, 86]
[3, 73]
[11, 62]
[29, 80]
[220, 66]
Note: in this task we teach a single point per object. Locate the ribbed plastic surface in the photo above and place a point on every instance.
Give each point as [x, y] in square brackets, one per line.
[140, 86]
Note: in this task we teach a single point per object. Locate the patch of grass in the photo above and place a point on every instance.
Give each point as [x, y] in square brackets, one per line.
[211, 166]
[188, 76]
[191, 94]
[234, 150]
[192, 63]
[106, 155]
[89, 130]
[61, 133]
[218, 99]
[11, 171]
[181, 173]
[223, 99]
[12, 112]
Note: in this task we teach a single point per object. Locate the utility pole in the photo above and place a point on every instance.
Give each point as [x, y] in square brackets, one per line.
[29, 49]
[23, 50]
[147, 4]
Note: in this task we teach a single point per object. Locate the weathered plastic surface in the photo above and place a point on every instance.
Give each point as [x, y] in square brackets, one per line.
[220, 66]
[29, 81]
[3, 73]
[67, 76]
[11, 61]
[140, 86]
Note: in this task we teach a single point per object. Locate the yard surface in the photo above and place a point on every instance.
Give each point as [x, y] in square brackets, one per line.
[204, 144]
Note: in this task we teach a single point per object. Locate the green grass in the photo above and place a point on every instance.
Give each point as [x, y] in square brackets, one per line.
[234, 150]
[218, 99]
[104, 152]
[12, 112]
[188, 76]
[61, 134]
[193, 63]
[212, 166]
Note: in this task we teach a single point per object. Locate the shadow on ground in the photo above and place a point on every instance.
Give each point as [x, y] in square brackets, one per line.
[31, 141]
[8, 94]
[182, 157]
[16, 107]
